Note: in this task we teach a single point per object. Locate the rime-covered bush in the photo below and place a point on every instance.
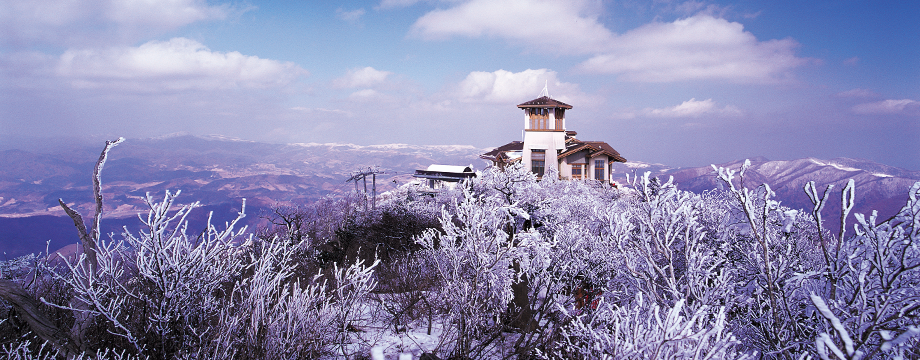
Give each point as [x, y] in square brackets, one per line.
[164, 293]
[479, 254]
[156, 291]
[645, 330]
[867, 294]
[505, 266]
[271, 314]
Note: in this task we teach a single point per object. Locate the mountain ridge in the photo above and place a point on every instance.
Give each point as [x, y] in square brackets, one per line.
[219, 172]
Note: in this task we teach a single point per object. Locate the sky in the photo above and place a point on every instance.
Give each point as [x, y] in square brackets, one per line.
[683, 83]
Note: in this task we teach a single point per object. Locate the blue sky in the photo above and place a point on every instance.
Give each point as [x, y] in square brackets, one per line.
[685, 83]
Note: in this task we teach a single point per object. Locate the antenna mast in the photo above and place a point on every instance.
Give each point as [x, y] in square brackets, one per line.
[545, 91]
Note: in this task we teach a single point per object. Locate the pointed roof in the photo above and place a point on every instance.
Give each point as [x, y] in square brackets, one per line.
[544, 102]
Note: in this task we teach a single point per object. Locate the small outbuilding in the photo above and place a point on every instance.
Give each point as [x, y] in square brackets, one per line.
[439, 175]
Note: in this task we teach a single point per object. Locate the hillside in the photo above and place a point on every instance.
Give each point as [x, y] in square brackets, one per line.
[878, 187]
[219, 172]
[216, 171]
[212, 170]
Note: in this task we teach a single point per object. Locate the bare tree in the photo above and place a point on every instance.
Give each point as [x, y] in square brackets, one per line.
[28, 307]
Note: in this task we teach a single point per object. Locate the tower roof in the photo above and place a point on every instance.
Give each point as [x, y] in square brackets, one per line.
[544, 102]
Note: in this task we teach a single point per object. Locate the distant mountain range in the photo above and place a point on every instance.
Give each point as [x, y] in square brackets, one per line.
[878, 187]
[216, 171]
[219, 172]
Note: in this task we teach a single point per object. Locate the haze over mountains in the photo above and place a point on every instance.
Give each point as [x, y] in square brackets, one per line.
[219, 172]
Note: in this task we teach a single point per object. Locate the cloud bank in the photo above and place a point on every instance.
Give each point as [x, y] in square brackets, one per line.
[700, 47]
[558, 26]
[697, 48]
[504, 87]
[349, 16]
[361, 78]
[65, 22]
[174, 65]
[902, 106]
[693, 108]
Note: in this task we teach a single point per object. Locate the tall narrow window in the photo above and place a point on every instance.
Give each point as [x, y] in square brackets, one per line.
[539, 119]
[539, 166]
[599, 170]
[538, 161]
[560, 114]
[578, 171]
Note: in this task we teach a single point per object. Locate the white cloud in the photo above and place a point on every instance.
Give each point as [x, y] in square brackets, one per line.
[164, 15]
[365, 95]
[505, 87]
[702, 46]
[321, 110]
[557, 26]
[387, 4]
[72, 22]
[350, 16]
[857, 93]
[687, 8]
[361, 77]
[177, 64]
[699, 47]
[693, 108]
[903, 106]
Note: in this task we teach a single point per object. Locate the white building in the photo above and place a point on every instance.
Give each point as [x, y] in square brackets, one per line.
[440, 176]
[547, 144]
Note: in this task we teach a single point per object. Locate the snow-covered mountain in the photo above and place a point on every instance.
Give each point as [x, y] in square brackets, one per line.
[220, 171]
[878, 187]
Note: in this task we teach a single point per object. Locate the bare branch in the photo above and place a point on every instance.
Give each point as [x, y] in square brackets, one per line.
[89, 239]
[28, 309]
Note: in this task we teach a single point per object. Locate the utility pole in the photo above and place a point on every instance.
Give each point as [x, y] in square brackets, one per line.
[362, 176]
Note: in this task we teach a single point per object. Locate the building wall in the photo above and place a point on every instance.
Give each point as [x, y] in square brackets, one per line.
[605, 167]
[546, 140]
[549, 140]
[565, 166]
[565, 170]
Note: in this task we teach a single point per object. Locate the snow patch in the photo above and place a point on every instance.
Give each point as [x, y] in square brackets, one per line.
[446, 148]
[836, 166]
[637, 165]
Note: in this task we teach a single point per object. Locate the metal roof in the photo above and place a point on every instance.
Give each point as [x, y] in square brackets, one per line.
[450, 169]
[544, 102]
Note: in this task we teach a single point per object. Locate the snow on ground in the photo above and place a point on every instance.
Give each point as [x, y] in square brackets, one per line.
[376, 333]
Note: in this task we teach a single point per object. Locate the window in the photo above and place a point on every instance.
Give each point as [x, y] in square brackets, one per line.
[538, 167]
[578, 171]
[599, 170]
[539, 118]
[537, 161]
[538, 154]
